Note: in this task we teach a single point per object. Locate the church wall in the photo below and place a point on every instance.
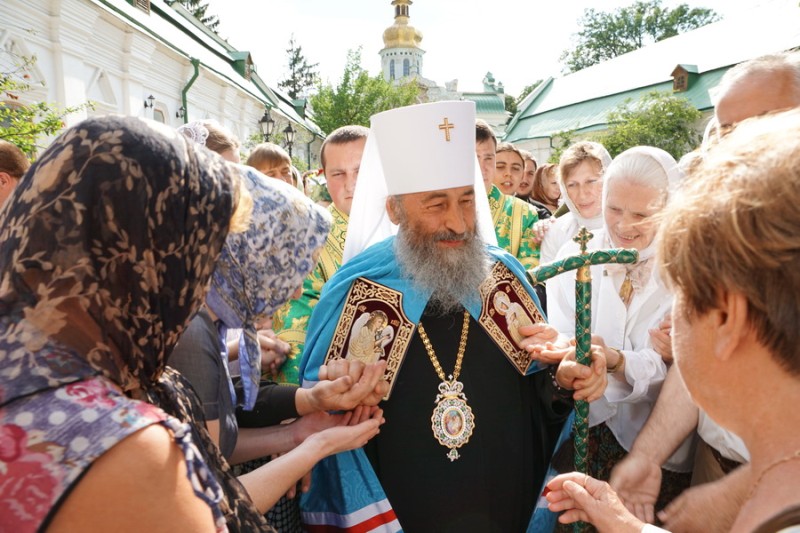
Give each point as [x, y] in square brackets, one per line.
[86, 53]
[540, 148]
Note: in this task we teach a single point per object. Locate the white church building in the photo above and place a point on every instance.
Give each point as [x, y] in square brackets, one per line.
[148, 58]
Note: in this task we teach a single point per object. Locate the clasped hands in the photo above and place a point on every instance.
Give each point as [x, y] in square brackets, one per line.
[344, 385]
[544, 344]
[349, 386]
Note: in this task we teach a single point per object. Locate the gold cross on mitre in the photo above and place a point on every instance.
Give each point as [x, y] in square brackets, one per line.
[446, 126]
[583, 237]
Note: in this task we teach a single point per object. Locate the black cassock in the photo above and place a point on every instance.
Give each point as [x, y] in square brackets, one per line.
[494, 485]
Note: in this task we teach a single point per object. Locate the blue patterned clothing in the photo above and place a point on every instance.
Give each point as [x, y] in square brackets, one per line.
[260, 268]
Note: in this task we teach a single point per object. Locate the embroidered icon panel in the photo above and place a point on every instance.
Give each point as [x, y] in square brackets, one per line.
[505, 306]
[372, 327]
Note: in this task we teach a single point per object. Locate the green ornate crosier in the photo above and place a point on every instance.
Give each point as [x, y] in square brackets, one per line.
[583, 321]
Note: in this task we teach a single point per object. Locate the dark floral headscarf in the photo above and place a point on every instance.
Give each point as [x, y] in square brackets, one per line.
[261, 267]
[110, 248]
[106, 249]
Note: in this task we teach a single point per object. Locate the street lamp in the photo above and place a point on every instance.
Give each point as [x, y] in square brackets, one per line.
[148, 103]
[266, 124]
[289, 133]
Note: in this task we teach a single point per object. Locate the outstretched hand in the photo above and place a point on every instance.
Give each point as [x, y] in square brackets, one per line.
[637, 480]
[584, 498]
[354, 430]
[335, 433]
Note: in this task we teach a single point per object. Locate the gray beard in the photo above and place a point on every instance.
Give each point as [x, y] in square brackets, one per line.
[452, 275]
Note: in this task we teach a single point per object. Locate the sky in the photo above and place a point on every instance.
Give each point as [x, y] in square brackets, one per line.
[519, 41]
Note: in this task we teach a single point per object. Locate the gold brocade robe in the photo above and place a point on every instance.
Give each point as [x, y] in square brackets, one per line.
[290, 321]
[513, 222]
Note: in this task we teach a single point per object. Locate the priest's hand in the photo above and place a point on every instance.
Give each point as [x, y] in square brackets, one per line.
[588, 382]
[346, 384]
[584, 498]
[543, 342]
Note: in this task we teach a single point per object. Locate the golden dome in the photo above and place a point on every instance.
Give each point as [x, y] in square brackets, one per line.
[400, 34]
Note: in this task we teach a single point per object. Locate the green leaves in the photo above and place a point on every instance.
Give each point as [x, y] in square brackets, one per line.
[358, 96]
[26, 124]
[607, 35]
[658, 119]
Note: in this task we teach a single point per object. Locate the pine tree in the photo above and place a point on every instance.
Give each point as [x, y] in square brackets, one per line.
[301, 75]
[198, 9]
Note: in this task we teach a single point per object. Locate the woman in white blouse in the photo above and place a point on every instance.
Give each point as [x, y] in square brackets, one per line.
[628, 301]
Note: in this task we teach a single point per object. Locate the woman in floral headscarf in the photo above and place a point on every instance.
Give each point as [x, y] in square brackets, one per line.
[628, 304]
[107, 246]
[106, 251]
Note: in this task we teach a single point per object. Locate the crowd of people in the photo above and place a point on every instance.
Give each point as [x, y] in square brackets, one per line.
[189, 343]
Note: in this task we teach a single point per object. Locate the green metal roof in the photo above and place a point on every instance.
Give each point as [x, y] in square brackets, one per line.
[592, 115]
[486, 103]
[581, 101]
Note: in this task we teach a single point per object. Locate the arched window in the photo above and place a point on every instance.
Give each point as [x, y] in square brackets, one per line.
[391, 69]
[406, 67]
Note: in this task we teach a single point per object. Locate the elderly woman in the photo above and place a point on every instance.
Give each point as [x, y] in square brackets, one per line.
[730, 246]
[627, 302]
[107, 247]
[580, 177]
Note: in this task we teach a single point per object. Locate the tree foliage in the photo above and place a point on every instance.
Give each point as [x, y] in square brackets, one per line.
[528, 89]
[302, 75]
[658, 119]
[26, 124]
[358, 96]
[605, 35]
[199, 10]
[511, 105]
[559, 143]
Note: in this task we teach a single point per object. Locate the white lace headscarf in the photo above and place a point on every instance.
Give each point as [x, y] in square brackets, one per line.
[194, 131]
[651, 167]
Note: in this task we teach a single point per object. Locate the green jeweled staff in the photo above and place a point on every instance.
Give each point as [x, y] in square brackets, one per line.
[583, 319]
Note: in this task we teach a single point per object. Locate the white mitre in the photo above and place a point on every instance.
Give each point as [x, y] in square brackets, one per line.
[419, 148]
